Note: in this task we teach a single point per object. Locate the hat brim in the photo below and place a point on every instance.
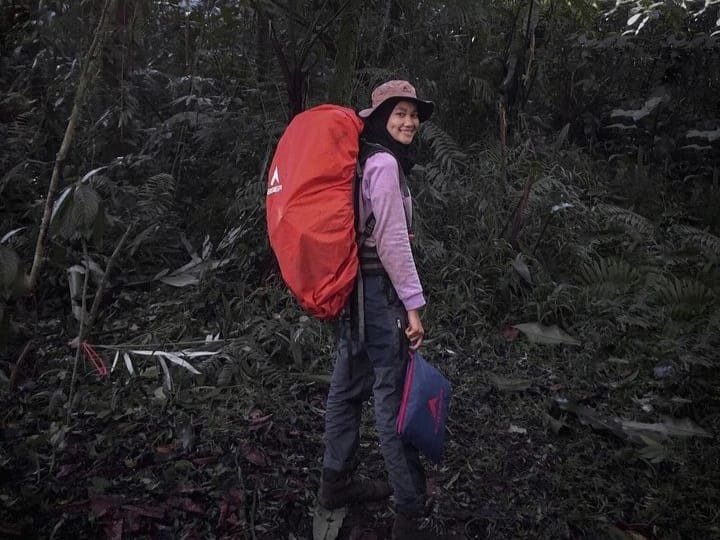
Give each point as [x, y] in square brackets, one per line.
[425, 108]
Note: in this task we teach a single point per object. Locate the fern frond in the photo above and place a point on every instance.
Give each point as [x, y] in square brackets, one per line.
[446, 151]
[684, 298]
[491, 155]
[708, 243]
[586, 249]
[156, 197]
[627, 219]
[437, 179]
[583, 179]
[606, 277]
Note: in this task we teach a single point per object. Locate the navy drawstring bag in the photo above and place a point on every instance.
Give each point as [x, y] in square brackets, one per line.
[424, 407]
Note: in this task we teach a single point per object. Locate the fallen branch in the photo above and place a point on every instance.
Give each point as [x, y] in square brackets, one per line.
[103, 282]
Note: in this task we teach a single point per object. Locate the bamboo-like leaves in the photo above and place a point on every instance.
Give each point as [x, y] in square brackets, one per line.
[669, 427]
[175, 358]
[179, 358]
[638, 432]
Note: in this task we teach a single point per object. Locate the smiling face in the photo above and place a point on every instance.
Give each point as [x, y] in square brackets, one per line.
[403, 122]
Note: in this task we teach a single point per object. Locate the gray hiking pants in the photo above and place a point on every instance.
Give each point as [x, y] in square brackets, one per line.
[377, 368]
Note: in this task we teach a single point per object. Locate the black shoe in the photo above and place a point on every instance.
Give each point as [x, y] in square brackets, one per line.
[340, 489]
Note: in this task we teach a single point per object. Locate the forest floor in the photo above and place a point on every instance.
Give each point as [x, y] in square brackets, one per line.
[243, 461]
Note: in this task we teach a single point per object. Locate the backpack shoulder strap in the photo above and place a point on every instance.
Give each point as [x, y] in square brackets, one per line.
[367, 149]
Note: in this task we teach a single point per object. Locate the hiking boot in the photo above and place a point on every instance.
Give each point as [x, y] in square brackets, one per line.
[338, 489]
[407, 527]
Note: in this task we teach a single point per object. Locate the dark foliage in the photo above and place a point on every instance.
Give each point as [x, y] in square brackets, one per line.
[568, 240]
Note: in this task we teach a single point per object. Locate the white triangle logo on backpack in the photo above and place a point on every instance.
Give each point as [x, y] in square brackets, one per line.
[275, 185]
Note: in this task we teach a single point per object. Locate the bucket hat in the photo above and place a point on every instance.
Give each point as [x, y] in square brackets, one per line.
[402, 90]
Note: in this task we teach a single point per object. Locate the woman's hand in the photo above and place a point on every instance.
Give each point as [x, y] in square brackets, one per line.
[414, 331]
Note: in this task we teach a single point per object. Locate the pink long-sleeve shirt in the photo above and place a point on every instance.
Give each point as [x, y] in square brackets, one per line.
[382, 196]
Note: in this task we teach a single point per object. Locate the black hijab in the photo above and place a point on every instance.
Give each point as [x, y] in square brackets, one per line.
[375, 132]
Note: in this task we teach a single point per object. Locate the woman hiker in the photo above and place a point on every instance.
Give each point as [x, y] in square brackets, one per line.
[392, 299]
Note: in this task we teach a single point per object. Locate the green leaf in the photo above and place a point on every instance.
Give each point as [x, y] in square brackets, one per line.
[654, 452]
[522, 268]
[181, 280]
[61, 214]
[86, 208]
[321, 378]
[61, 203]
[562, 137]
[557, 426]
[632, 20]
[7, 236]
[552, 335]
[175, 359]
[670, 427]
[508, 385]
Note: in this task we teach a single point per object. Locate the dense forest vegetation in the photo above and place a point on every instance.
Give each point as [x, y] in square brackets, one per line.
[158, 381]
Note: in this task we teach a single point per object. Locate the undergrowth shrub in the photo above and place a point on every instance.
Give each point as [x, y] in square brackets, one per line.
[582, 261]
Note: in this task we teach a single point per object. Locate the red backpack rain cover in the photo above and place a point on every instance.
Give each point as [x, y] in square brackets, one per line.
[310, 212]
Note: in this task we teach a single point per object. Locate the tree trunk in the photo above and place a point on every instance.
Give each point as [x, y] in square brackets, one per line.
[340, 90]
[294, 78]
[296, 89]
[383, 30]
[262, 45]
[89, 69]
